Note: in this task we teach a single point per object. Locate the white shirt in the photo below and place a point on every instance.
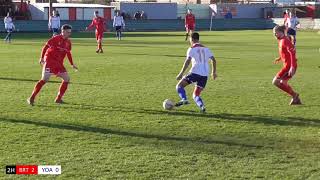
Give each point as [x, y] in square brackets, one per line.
[54, 22]
[200, 57]
[118, 21]
[8, 24]
[293, 22]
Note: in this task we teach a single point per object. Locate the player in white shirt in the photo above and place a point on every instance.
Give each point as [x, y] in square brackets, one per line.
[199, 56]
[119, 24]
[9, 26]
[54, 23]
[292, 24]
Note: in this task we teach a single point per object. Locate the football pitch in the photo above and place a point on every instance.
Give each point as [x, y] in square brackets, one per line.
[113, 125]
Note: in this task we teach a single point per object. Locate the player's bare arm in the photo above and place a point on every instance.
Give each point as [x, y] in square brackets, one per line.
[292, 70]
[214, 68]
[184, 68]
[277, 60]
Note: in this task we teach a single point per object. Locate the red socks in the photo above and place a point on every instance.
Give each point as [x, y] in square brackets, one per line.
[62, 90]
[37, 88]
[99, 45]
[286, 88]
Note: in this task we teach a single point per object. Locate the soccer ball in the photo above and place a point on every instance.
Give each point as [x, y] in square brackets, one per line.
[168, 104]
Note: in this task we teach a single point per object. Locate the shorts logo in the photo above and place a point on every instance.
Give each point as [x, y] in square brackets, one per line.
[47, 70]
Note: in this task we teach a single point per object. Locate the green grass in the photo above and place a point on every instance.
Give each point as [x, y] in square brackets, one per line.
[114, 126]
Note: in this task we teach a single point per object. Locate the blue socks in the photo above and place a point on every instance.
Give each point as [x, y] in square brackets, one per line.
[182, 93]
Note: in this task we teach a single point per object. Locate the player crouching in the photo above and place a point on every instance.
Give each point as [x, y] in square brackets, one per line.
[52, 57]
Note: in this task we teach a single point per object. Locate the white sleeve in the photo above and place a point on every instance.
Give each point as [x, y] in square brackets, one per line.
[209, 53]
[114, 21]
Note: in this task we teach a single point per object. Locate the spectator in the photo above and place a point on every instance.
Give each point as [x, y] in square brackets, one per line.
[228, 15]
[123, 14]
[137, 15]
[143, 15]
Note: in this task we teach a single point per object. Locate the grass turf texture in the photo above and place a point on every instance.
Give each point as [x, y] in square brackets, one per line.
[113, 125]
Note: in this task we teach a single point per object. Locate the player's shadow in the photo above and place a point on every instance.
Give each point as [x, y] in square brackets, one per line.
[147, 54]
[153, 34]
[108, 131]
[269, 120]
[34, 80]
[171, 55]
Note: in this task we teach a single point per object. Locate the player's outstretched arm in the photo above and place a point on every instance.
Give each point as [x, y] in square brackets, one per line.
[90, 25]
[214, 68]
[184, 68]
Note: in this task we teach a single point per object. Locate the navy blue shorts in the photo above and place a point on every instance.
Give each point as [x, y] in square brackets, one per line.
[55, 30]
[201, 81]
[118, 28]
[291, 32]
[9, 30]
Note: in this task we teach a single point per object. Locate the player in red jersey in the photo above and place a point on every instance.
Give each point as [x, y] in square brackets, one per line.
[99, 23]
[189, 23]
[288, 56]
[52, 56]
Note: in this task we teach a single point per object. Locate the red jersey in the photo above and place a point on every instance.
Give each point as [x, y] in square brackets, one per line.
[287, 52]
[56, 50]
[190, 19]
[98, 23]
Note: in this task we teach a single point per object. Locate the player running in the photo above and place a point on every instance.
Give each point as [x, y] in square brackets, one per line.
[292, 24]
[119, 24]
[189, 23]
[9, 26]
[199, 56]
[99, 23]
[288, 56]
[52, 56]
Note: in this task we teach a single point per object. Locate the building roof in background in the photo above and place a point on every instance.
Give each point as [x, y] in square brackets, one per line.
[77, 5]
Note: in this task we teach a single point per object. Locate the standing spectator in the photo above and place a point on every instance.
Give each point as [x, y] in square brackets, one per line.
[9, 26]
[54, 23]
[228, 15]
[137, 15]
[119, 24]
[189, 23]
[143, 15]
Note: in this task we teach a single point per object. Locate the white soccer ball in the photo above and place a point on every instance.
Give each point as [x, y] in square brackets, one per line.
[168, 104]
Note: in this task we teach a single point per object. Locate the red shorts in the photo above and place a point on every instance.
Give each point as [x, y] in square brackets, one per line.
[284, 74]
[54, 69]
[99, 35]
[190, 27]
